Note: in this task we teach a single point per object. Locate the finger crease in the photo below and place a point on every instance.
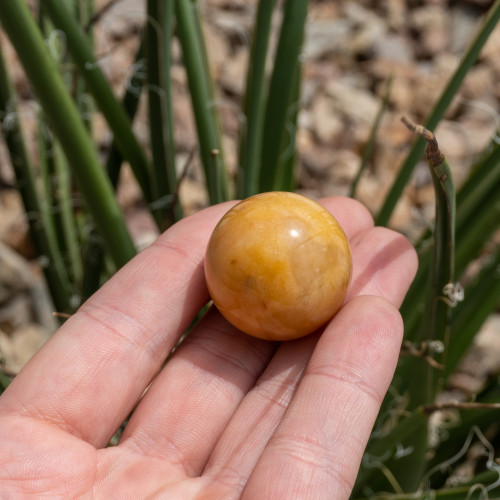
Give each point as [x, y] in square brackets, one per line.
[108, 316]
[347, 378]
[316, 455]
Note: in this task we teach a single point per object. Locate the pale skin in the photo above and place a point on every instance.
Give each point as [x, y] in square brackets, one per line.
[229, 416]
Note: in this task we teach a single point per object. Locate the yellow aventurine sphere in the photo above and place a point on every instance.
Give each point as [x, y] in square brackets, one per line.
[278, 266]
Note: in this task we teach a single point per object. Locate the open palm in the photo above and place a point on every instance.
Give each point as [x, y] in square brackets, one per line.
[229, 416]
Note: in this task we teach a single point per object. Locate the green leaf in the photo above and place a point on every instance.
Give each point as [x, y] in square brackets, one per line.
[203, 98]
[477, 218]
[280, 94]
[81, 52]
[254, 103]
[41, 227]
[373, 135]
[438, 111]
[482, 296]
[160, 16]
[67, 124]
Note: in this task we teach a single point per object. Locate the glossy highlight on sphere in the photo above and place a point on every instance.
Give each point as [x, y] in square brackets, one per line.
[278, 266]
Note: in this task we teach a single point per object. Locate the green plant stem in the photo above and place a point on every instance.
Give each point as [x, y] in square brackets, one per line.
[93, 265]
[130, 103]
[83, 12]
[373, 135]
[41, 228]
[158, 39]
[285, 169]
[382, 452]
[435, 327]
[100, 89]
[54, 170]
[203, 99]
[444, 248]
[5, 379]
[482, 296]
[485, 175]
[68, 126]
[463, 492]
[280, 91]
[475, 235]
[442, 272]
[477, 210]
[254, 103]
[65, 212]
[93, 248]
[438, 111]
[422, 375]
[459, 438]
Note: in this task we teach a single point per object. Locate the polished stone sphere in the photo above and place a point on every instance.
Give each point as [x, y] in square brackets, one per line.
[278, 266]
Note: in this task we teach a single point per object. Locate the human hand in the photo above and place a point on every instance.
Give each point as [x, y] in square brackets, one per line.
[229, 416]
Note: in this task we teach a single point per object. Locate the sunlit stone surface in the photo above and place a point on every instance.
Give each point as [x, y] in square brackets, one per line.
[278, 266]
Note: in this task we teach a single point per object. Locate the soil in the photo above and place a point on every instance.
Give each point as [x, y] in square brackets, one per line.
[351, 51]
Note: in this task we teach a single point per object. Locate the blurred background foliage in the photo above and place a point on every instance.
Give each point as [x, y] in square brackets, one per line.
[430, 440]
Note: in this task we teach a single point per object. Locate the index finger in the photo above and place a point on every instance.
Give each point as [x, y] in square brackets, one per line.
[90, 374]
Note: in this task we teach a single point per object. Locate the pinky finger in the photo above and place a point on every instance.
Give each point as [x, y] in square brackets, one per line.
[321, 439]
